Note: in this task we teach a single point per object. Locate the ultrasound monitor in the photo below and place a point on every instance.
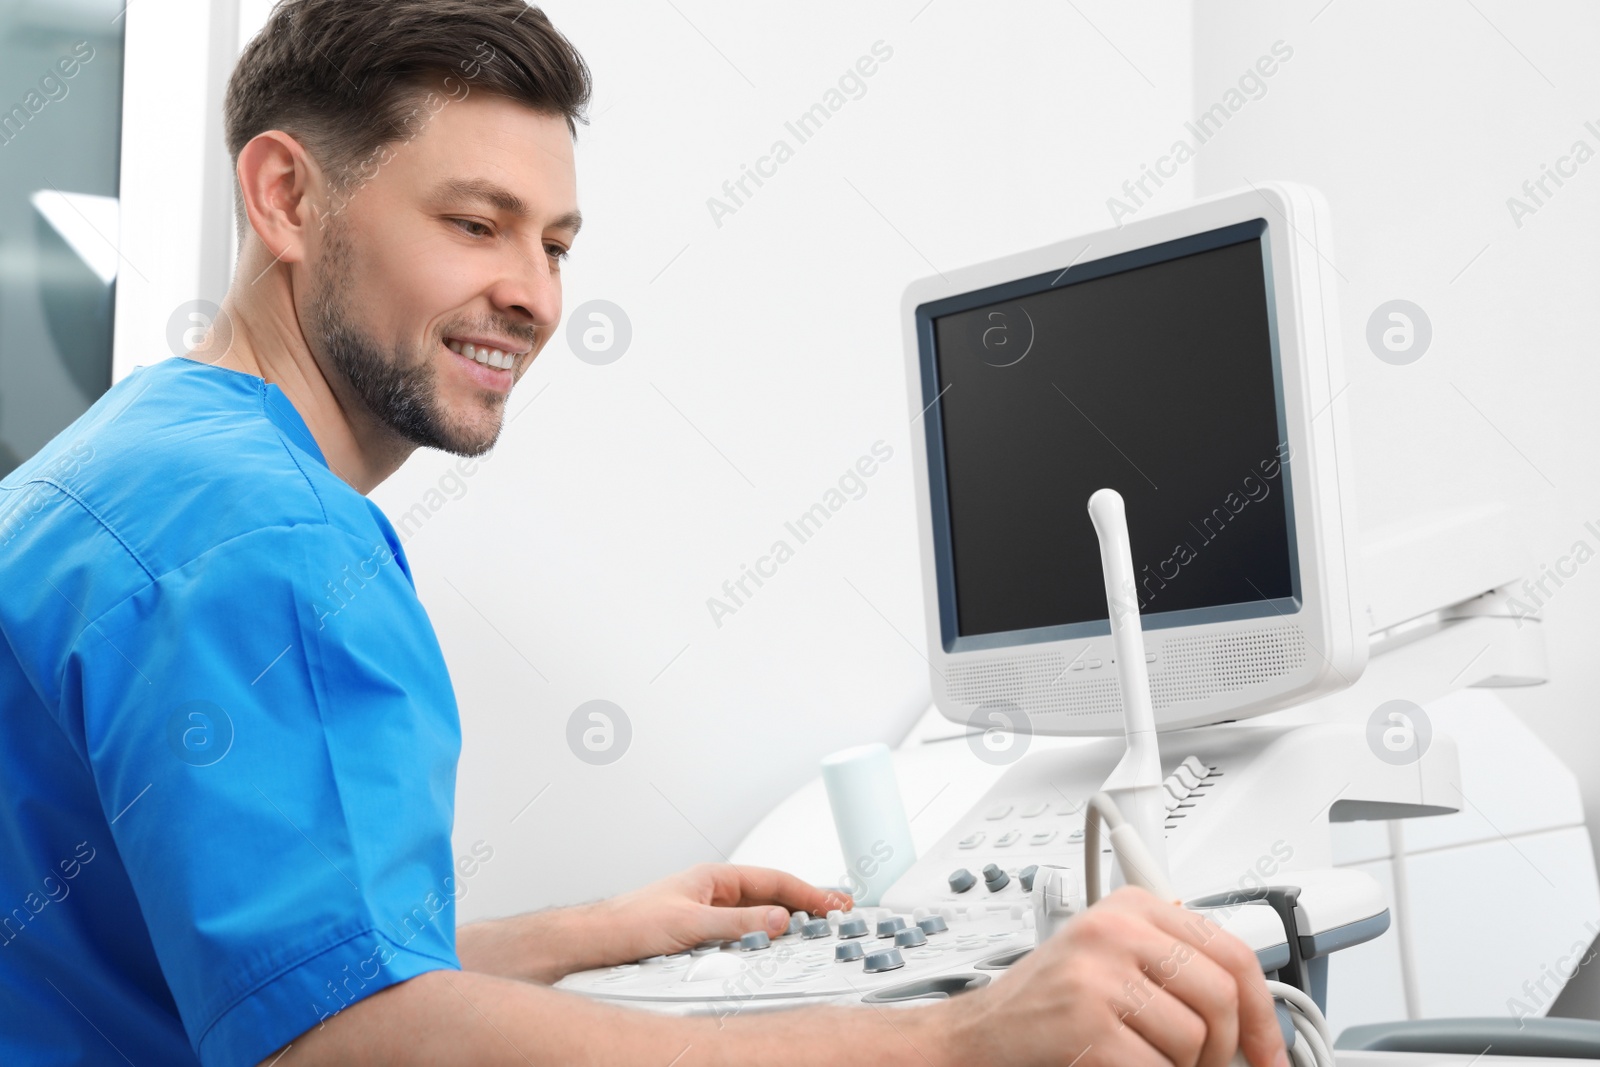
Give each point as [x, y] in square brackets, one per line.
[1190, 362]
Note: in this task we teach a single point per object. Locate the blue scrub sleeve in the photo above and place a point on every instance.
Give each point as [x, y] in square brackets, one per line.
[274, 739]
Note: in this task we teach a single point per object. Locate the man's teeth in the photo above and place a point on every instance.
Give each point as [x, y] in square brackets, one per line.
[489, 357]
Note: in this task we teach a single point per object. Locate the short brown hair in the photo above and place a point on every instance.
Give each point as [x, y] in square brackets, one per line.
[341, 76]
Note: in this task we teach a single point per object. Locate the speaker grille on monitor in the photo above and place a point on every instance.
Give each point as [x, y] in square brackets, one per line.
[1196, 667]
[1189, 669]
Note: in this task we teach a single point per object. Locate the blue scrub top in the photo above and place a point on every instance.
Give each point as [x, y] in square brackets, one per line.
[228, 738]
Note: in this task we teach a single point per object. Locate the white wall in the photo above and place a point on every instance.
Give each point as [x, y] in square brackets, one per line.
[1419, 121]
[766, 358]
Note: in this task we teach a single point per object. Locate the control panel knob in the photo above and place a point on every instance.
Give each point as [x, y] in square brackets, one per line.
[910, 937]
[797, 921]
[856, 927]
[933, 924]
[755, 941]
[1025, 876]
[890, 927]
[961, 880]
[994, 879]
[887, 960]
[846, 951]
[815, 928]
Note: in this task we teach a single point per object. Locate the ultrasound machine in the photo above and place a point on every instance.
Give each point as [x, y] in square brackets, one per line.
[1213, 656]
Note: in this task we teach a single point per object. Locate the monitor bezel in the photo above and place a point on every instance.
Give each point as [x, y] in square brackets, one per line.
[1200, 672]
[926, 316]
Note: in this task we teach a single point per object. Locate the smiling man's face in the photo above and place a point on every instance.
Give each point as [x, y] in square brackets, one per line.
[437, 280]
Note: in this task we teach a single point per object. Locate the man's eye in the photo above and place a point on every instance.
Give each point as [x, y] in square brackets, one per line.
[473, 227]
[556, 252]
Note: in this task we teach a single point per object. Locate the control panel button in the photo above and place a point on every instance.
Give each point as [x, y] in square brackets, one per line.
[797, 921]
[933, 924]
[845, 951]
[1196, 768]
[815, 928]
[998, 812]
[754, 941]
[961, 880]
[1043, 837]
[1036, 810]
[1007, 839]
[994, 879]
[856, 927]
[891, 926]
[972, 840]
[910, 937]
[887, 960]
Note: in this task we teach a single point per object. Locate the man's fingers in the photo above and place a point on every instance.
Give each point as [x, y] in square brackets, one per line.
[1126, 1048]
[1172, 973]
[1210, 991]
[763, 885]
[1258, 1033]
[730, 924]
[1166, 1023]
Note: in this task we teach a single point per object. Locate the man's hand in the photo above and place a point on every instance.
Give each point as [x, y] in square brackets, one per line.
[712, 902]
[1131, 982]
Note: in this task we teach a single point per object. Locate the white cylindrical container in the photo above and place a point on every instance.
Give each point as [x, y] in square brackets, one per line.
[874, 834]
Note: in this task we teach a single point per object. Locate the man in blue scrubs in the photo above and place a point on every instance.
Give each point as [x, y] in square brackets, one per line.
[227, 735]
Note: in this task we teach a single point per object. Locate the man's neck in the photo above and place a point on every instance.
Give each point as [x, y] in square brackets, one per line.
[270, 346]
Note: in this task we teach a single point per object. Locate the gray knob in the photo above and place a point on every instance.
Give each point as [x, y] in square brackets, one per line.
[995, 879]
[796, 922]
[853, 927]
[846, 951]
[991, 871]
[815, 928]
[961, 880]
[890, 927]
[910, 937]
[1025, 876]
[933, 924]
[752, 942]
[887, 960]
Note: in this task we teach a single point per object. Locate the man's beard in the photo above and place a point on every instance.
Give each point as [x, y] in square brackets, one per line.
[399, 388]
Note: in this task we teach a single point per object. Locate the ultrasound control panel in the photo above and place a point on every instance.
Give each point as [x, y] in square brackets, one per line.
[870, 955]
[994, 853]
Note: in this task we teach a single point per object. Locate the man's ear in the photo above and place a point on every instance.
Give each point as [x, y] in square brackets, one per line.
[278, 182]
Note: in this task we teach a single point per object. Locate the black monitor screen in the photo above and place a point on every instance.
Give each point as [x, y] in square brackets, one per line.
[1155, 375]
